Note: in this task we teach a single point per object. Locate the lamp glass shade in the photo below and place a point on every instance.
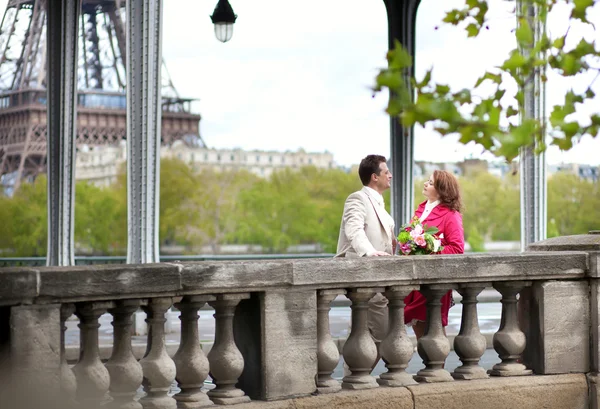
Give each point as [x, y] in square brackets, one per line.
[223, 31]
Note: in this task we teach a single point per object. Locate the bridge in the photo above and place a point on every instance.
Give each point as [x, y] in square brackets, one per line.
[273, 347]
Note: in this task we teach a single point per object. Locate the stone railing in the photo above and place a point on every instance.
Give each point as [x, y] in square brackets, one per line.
[273, 347]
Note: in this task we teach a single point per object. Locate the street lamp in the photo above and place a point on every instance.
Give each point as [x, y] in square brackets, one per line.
[223, 18]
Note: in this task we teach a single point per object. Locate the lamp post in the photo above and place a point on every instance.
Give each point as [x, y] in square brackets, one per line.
[223, 18]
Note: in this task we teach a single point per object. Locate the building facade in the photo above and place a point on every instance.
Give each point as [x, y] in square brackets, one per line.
[101, 165]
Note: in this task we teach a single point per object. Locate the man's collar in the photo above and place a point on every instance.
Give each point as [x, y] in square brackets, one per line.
[374, 194]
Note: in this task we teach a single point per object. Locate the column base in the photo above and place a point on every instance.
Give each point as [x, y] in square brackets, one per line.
[470, 373]
[510, 369]
[359, 382]
[433, 376]
[228, 397]
[396, 379]
[328, 386]
[193, 400]
[231, 401]
[154, 402]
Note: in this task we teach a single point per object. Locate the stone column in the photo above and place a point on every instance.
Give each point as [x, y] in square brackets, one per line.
[190, 361]
[35, 357]
[433, 346]
[360, 351]
[396, 348]
[144, 110]
[125, 371]
[470, 344]
[509, 341]
[93, 379]
[158, 367]
[62, 45]
[328, 354]
[68, 382]
[226, 360]
[272, 327]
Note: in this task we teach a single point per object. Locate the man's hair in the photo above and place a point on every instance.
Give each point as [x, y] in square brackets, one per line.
[368, 166]
[446, 185]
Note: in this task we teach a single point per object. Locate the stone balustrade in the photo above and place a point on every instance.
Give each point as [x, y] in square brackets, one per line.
[272, 341]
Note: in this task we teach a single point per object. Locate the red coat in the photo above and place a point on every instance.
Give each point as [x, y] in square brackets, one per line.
[449, 223]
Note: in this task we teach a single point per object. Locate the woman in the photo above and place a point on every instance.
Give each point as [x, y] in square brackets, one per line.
[441, 210]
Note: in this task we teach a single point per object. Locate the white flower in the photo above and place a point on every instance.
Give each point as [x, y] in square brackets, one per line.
[436, 245]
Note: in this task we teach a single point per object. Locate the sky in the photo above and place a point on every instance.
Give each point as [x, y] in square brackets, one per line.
[299, 74]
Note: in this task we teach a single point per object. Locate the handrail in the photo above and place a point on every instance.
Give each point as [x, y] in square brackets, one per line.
[181, 277]
[91, 260]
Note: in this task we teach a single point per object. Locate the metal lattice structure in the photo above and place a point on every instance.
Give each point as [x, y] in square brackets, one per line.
[101, 82]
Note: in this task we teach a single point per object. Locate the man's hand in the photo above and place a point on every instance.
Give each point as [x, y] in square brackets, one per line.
[378, 253]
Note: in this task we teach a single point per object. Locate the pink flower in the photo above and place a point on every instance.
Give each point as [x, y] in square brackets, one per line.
[405, 248]
[417, 231]
[420, 241]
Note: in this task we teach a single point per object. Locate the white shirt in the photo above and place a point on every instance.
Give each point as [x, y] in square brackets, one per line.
[428, 208]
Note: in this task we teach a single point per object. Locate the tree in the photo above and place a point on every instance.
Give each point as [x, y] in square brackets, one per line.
[484, 117]
[100, 220]
[26, 223]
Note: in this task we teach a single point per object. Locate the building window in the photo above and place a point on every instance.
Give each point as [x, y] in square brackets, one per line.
[283, 159]
[270, 159]
[310, 161]
[257, 158]
[232, 158]
[206, 156]
[219, 157]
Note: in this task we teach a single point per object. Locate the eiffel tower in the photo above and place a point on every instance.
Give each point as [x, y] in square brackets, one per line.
[101, 99]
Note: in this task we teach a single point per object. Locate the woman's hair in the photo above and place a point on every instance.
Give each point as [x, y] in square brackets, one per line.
[446, 185]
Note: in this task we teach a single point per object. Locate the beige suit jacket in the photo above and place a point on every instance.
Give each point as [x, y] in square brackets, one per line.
[367, 227]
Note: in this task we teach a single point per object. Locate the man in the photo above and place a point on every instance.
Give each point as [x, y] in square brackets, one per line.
[367, 229]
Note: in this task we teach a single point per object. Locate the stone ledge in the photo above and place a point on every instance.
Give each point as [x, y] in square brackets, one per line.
[548, 392]
[109, 282]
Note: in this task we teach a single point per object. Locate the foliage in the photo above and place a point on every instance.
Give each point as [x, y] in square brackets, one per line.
[293, 207]
[497, 120]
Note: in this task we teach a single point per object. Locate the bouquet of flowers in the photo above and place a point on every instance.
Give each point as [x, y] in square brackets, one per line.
[416, 238]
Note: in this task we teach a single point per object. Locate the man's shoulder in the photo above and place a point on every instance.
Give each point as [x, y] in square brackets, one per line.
[359, 194]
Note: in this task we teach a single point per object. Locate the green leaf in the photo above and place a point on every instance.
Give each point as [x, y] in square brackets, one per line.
[472, 30]
[495, 78]
[580, 9]
[510, 112]
[524, 33]
[426, 79]
[514, 62]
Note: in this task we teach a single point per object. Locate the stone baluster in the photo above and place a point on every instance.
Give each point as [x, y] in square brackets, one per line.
[125, 372]
[360, 351]
[509, 341]
[190, 361]
[226, 360]
[158, 367]
[470, 344]
[396, 348]
[93, 379]
[433, 346]
[328, 354]
[68, 382]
